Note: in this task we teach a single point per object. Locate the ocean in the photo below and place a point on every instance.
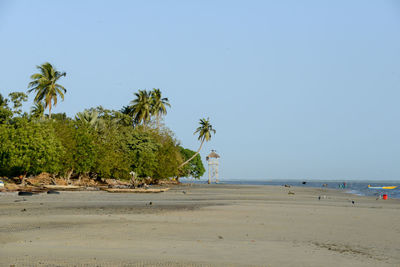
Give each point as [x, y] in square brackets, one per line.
[352, 187]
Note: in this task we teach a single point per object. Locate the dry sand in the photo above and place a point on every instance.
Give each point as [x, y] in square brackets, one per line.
[201, 225]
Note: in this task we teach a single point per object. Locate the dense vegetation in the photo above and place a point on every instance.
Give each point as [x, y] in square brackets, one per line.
[97, 142]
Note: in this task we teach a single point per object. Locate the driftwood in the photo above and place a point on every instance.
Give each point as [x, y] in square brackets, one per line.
[63, 187]
[135, 190]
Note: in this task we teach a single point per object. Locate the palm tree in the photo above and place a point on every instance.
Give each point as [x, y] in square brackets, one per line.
[205, 130]
[141, 107]
[45, 85]
[159, 105]
[90, 117]
[37, 110]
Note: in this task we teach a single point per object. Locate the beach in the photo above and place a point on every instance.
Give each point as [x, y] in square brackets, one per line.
[200, 225]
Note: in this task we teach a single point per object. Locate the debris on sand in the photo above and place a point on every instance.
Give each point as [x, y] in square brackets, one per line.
[53, 192]
[24, 193]
[63, 187]
[115, 182]
[135, 190]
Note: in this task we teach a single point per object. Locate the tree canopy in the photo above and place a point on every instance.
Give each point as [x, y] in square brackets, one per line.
[97, 142]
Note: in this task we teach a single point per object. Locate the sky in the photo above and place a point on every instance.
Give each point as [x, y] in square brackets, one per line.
[295, 89]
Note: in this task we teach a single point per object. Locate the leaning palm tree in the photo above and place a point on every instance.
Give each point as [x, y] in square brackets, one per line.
[159, 105]
[37, 110]
[205, 130]
[141, 107]
[46, 87]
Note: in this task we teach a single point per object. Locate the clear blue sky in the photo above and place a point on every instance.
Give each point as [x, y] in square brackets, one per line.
[295, 89]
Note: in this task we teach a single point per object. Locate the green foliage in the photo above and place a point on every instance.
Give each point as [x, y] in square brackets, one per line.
[158, 105]
[168, 155]
[6, 148]
[84, 155]
[205, 130]
[5, 115]
[195, 167]
[90, 118]
[142, 153]
[45, 85]
[29, 148]
[3, 101]
[147, 104]
[37, 111]
[98, 142]
[141, 107]
[112, 153]
[5, 112]
[17, 98]
[65, 132]
[59, 116]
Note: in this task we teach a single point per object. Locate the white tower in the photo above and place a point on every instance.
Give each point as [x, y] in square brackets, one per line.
[212, 160]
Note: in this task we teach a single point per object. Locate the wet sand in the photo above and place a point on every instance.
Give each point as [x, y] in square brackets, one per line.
[200, 225]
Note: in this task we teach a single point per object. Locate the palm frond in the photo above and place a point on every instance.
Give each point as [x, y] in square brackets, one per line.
[205, 130]
[44, 84]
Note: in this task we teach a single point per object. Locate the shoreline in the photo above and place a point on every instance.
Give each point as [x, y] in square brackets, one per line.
[167, 186]
[200, 225]
[297, 183]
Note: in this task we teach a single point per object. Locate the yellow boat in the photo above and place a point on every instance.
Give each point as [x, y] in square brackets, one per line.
[382, 187]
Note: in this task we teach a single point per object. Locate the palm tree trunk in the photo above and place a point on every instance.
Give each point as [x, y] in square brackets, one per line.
[50, 110]
[192, 157]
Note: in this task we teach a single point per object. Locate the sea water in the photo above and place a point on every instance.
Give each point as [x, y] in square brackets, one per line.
[352, 187]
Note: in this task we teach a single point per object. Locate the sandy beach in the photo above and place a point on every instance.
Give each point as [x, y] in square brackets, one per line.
[200, 225]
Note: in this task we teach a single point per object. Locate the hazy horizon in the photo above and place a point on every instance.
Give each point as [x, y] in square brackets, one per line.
[294, 88]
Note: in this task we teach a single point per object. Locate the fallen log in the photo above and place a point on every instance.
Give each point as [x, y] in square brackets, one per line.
[135, 190]
[63, 187]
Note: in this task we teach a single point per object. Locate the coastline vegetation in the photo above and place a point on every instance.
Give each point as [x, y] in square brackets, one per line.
[97, 143]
